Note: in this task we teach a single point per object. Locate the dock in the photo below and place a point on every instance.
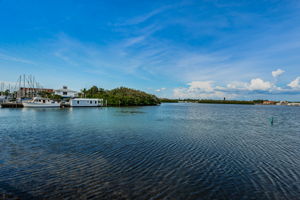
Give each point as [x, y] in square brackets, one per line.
[20, 105]
[12, 105]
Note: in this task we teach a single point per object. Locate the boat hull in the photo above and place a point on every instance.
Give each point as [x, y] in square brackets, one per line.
[39, 105]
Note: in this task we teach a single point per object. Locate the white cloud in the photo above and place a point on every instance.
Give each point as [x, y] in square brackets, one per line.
[259, 84]
[135, 40]
[141, 19]
[160, 89]
[196, 94]
[206, 89]
[15, 59]
[205, 86]
[237, 85]
[198, 90]
[295, 84]
[277, 73]
[254, 84]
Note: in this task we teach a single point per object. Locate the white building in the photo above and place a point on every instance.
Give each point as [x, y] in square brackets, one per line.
[294, 104]
[282, 103]
[83, 102]
[65, 92]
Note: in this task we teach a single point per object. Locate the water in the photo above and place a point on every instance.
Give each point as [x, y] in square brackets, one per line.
[172, 151]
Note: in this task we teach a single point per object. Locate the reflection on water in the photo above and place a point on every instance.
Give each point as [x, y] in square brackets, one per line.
[172, 151]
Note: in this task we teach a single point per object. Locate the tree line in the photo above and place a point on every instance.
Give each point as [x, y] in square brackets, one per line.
[121, 96]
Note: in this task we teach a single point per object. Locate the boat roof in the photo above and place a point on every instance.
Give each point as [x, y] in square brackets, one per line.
[42, 98]
[86, 99]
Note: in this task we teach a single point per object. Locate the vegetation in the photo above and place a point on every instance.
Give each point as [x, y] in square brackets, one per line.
[5, 93]
[50, 96]
[259, 101]
[166, 100]
[121, 96]
[225, 101]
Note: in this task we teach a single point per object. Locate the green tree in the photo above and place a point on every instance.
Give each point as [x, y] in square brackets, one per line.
[122, 96]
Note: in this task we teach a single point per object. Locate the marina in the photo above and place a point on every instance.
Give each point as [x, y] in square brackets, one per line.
[27, 93]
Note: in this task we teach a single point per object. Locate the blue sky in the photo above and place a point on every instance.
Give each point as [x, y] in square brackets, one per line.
[178, 49]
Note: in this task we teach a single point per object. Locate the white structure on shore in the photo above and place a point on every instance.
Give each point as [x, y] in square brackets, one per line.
[293, 104]
[282, 103]
[83, 102]
[286, 103]
[66, 93]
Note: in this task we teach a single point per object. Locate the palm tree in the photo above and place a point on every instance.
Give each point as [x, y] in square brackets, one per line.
[83, 91]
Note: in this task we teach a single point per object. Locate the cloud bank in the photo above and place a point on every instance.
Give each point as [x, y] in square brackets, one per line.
[235, 89]
[295, 84]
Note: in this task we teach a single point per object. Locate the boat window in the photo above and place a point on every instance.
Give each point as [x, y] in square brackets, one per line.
[91, 102]
[95, 102]
[77, 102]
[44, 101]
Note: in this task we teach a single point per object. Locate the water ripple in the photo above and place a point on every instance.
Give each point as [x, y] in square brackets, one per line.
[172, 151]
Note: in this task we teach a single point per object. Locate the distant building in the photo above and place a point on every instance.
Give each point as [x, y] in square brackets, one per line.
[269, 102]
[32, 92]
[282, 103]
[66, 93]
[293, 104]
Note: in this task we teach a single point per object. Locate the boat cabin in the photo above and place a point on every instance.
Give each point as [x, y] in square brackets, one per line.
[41, 100]
[83, 102]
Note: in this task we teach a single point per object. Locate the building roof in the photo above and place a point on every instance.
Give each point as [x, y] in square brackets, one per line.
[26, 88]
[65, 90]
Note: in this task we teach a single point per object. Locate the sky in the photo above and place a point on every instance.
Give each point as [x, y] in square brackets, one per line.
[207, 49]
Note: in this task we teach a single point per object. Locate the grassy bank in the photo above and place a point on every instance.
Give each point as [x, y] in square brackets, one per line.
[165, 100]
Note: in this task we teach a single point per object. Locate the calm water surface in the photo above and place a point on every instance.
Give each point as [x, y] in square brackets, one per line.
[172, 151]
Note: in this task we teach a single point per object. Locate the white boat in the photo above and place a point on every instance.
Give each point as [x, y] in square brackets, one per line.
[39, 102]
[3, 99]
[83, 102]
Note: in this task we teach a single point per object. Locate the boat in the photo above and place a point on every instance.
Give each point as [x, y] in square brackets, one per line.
[39, 102]
[3, 99]
[83, 102]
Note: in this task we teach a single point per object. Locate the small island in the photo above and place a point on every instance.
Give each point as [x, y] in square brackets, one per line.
[121, 96]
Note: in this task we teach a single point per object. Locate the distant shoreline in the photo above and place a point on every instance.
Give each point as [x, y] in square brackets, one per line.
[241, 102]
